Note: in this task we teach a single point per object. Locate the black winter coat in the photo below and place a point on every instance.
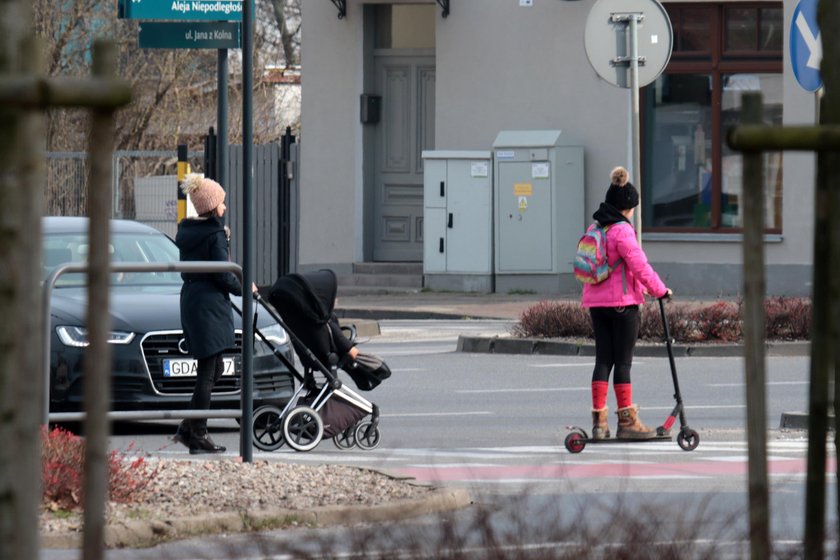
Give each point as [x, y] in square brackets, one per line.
[206, 313]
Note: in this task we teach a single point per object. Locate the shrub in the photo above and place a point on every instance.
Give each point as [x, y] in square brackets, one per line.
[62, 464]
[786, 319]
[553, 319]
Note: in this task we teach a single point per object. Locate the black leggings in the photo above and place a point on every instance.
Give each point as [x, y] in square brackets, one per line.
[616, 331]
[208, 371]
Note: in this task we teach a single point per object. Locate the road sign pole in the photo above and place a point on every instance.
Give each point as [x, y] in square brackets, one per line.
[246, 437]
[626, 54]
[635, 128]
[222, 118]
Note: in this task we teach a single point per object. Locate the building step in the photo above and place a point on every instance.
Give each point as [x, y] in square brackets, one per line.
[348, 291]
[382, 278]
[415, 268]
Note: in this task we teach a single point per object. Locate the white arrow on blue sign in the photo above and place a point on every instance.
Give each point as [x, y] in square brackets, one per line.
[806, 45]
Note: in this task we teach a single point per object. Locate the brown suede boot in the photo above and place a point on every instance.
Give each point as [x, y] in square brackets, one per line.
[629, 425]
[600, 425]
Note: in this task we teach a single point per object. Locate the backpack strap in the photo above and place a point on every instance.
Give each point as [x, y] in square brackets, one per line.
[618, 263]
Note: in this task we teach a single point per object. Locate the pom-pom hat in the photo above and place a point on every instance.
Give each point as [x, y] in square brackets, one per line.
[205, 194]
[621, 194]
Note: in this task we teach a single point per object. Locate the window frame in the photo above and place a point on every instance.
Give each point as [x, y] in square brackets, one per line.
[716, 62]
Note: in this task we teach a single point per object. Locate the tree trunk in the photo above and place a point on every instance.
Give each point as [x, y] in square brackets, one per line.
[828, 17]
[21, 196]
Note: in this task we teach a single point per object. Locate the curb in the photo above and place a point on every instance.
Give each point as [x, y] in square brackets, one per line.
[799, 421]
[505, 345]
[143, 534]
[364, 327]
[383, 314]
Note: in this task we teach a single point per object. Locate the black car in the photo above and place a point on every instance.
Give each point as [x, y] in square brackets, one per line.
[151, 366]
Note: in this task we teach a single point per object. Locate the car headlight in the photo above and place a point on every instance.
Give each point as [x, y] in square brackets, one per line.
[77, 336]
[274, 333]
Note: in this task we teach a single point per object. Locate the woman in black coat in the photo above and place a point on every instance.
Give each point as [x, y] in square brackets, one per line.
[206, 313]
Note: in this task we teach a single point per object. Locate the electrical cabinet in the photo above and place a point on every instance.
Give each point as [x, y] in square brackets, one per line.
[538, 215]
[458, 220]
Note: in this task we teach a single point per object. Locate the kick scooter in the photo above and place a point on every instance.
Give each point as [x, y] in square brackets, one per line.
[687, 438]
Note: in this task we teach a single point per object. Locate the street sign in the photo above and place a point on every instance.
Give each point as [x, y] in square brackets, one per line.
[806, 45]
[607, 38]
[181, 10]
[189, 35]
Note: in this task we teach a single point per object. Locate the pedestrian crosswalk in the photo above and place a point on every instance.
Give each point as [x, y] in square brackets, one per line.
[660, 460]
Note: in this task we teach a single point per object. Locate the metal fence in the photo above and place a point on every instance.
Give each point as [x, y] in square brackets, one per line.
[145, 189]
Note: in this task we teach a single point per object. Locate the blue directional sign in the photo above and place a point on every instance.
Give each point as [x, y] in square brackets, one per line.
[806, 45]
[182, 10]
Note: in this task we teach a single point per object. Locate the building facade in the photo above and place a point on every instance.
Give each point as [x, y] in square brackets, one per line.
[389, 79]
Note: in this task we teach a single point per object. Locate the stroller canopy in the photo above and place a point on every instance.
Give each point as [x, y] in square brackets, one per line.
[307, 297]
[305, 301]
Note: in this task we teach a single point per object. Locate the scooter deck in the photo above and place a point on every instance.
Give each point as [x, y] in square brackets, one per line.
[612, 439]
[625, 440]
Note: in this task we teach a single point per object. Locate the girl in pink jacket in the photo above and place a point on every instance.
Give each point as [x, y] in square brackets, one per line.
[614, 308]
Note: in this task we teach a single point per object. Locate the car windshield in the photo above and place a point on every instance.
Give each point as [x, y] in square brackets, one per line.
[60, 248]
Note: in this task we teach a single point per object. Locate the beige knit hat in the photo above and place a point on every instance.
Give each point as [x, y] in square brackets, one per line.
[205, 194]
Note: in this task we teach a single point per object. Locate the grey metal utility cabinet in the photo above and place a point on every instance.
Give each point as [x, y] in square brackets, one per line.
[458, 220]
[538, 217]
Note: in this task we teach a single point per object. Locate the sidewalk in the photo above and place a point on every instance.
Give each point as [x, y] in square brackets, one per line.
[442, 305]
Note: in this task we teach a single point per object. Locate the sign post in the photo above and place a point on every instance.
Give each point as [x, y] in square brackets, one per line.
[629, 43]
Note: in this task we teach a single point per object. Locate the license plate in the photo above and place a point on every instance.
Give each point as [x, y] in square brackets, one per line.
[187, 367]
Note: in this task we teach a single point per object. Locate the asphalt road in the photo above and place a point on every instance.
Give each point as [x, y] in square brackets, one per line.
[495, 424]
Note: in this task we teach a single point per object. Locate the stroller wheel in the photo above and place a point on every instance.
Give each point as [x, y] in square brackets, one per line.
[267, 429]
[367, 436]
[346, 439]
[302, 428]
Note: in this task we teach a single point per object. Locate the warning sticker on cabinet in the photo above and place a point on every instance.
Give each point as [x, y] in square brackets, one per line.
[523, 189]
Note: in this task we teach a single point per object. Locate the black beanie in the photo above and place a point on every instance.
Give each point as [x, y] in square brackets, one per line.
[621, 194]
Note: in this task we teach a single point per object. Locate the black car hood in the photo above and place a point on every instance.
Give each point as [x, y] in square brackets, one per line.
[138, 309]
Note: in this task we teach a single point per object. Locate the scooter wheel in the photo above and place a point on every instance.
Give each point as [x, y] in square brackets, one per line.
[575, 442]
[688, 440]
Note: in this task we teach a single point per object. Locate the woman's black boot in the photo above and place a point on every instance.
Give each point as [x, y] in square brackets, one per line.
[183, 434]
[201, 443]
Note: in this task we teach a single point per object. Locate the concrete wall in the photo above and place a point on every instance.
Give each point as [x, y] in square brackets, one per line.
[331, 147]
[501, 66]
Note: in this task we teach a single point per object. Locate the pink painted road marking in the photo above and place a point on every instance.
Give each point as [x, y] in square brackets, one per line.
[692, 469]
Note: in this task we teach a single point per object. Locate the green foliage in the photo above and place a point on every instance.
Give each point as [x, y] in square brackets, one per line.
[62, 467]
[786, 319]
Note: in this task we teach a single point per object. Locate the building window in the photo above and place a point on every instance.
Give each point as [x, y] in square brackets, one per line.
[692, 181]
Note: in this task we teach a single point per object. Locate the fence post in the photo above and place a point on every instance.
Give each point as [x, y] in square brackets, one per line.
[97, 391]
[210, 155]
[284, 201]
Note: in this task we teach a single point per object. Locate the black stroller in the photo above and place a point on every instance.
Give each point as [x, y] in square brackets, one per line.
[322, 406]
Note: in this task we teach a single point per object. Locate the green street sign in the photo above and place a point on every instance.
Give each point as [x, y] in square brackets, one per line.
[181, 10]
[190, 35]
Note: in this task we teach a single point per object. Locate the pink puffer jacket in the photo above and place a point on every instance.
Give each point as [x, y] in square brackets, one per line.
[631, 274]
